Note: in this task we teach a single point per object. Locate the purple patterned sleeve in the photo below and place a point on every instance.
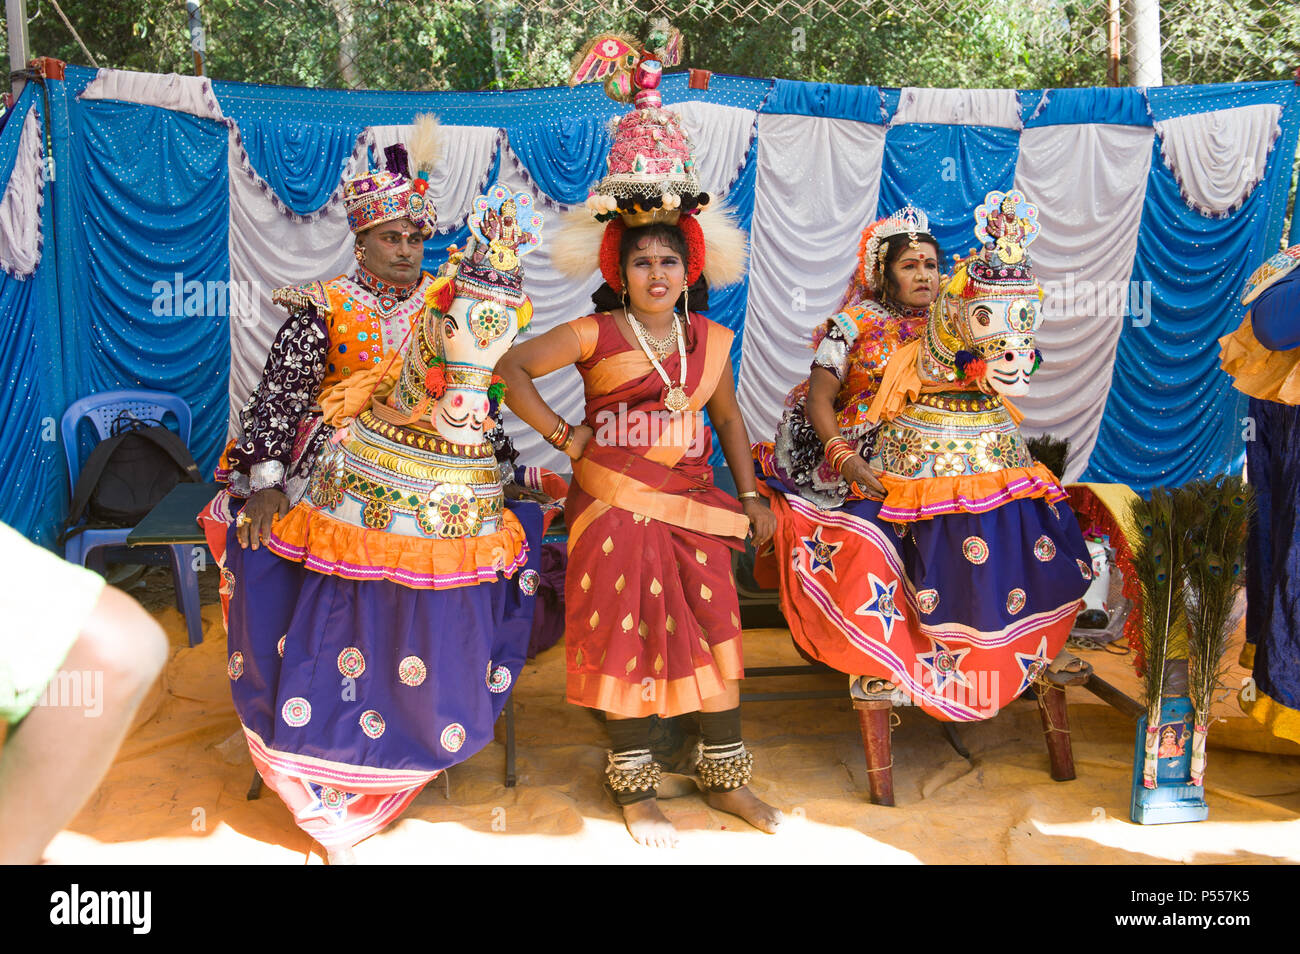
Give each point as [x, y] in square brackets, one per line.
[290, 385]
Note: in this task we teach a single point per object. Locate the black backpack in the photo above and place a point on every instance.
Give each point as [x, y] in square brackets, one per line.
[127, 474]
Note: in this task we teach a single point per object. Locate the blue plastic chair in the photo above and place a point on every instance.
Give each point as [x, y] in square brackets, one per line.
[102, 410]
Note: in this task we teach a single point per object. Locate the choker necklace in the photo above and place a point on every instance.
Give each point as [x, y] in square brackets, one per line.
[676, 399]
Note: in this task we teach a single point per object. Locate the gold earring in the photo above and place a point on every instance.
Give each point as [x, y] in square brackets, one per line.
[359, 252]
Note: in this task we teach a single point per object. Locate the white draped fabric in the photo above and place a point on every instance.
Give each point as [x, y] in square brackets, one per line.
[20, 209]
[817, 188]
[1089, 182]
[182, 94]
[959, 107]
[722, 135]
[1219, 157]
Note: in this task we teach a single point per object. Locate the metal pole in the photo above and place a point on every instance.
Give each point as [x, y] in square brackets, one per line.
[197, 38]
[1112, 37]
[19, 48]
[1144, 68]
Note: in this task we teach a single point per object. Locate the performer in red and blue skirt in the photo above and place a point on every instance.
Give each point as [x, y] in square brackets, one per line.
[950, 574]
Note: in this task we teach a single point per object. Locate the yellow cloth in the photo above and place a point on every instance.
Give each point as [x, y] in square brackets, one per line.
[902, 383]
[345, 400]
[1257, 371]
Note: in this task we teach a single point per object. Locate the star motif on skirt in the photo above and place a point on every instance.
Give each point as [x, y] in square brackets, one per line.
[327, 803]
[1032, 665]
[881, 606]
[944, 664]
[821, 553]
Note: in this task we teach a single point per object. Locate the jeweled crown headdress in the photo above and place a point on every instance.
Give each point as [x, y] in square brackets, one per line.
[909, 221]
[370, 198]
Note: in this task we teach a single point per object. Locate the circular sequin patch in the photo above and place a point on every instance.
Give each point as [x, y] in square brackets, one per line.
[372, 723]
[944, 661]
[377, 515]
[975, 550]
[1044, 548]
[236, 665]
[529, 580]
[331, 798]
[1015, 601]
[1084, 569]
[351, 662]
[927, 600]
[453, 737]
[296, 711]
[279, 646]
[412, 670]
[228, 578]
[499, 679]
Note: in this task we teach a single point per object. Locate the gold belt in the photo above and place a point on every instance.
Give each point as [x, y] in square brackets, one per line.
[421, 471]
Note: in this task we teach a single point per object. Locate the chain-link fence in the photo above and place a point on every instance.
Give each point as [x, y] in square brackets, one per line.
[466, 45]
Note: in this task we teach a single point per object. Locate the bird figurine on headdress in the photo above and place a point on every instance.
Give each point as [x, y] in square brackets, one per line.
[630, 70]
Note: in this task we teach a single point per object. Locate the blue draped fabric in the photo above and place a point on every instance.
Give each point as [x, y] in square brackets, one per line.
[947, 171]
[826, 100]
[727, 306]
[1122, 106]
[1172, 415]
[302, 162]
[564, 158]
[31, 460]
[152, 247]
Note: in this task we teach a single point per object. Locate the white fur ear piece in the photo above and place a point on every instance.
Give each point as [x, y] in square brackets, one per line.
[575, 245]
[726, 247]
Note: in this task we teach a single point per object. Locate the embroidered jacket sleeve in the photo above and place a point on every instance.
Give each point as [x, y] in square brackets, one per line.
[833, 350]
[290, 386]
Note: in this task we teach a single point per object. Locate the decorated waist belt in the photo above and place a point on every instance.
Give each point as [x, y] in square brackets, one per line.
[950, 434]
[409, 481]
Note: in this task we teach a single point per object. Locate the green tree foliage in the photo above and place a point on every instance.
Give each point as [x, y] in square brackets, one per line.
[465, 45]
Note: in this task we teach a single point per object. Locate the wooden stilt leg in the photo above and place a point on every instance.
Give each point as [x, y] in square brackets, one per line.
[873, 718]
[1056, 729]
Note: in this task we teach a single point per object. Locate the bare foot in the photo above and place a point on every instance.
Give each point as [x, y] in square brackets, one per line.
[747, 805]
[648, 825]
[341, 856]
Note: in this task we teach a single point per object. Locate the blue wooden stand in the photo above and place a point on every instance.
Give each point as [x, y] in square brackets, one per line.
[1173, 799]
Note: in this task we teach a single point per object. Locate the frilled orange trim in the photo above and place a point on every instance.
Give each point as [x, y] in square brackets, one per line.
[326, 545]
[909, 500]
[1257, 371]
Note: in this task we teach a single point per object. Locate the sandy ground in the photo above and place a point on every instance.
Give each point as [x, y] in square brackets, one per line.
[177, 793]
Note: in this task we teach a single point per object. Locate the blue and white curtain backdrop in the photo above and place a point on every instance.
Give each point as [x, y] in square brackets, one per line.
[178, 204]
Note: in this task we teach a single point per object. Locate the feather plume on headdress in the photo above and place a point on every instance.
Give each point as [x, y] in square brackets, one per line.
[426, 145]
[727, 244]
[576, 244]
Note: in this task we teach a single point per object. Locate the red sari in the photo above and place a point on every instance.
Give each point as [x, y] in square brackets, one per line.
[652, 620]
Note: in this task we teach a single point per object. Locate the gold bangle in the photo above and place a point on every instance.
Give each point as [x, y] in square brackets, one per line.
[749, 495]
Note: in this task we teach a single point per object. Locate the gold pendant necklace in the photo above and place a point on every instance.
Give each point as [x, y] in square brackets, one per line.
[676, 400]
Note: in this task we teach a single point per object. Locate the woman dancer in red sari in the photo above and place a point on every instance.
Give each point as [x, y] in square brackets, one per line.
[653, 623]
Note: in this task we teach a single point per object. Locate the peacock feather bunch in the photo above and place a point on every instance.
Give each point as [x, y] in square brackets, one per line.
[1051, 452]
[1158, 558]
[1216, 554]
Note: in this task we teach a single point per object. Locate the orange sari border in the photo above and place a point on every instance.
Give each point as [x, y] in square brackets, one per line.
[620, 489]
[667, 697]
